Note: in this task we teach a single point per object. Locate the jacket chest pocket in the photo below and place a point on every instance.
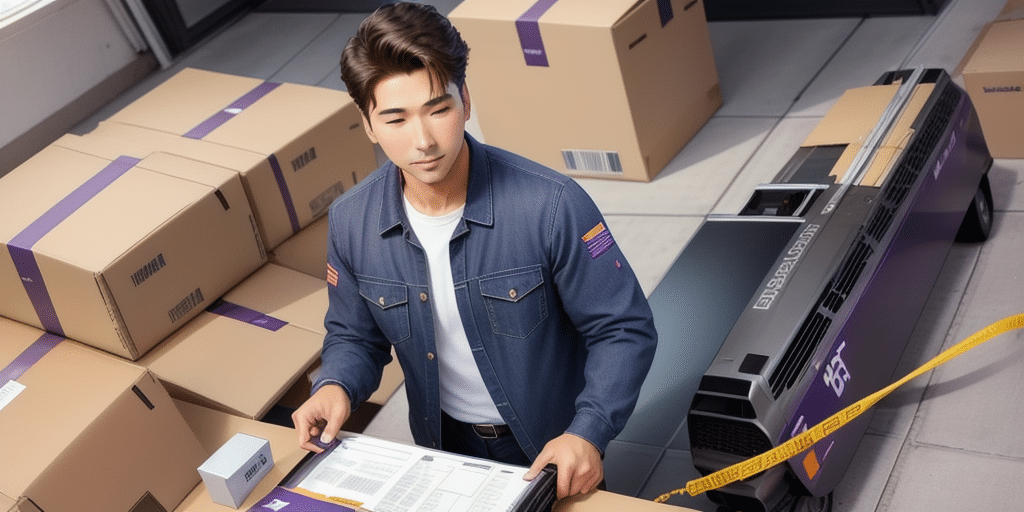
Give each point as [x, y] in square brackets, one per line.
[516, 303]
[389, 304]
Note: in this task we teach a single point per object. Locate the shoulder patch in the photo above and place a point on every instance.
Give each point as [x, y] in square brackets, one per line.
[598, 240]
[332, 276]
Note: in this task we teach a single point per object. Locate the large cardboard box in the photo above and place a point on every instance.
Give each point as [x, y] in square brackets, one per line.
[88, 431]
[309, 140]
[118, 253]
[600, 501]
[241, 355]
[993, 74]
[593, 88]
[214, 428]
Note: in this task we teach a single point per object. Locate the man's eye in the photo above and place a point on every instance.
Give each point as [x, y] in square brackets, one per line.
[442, 110]
[394, 121]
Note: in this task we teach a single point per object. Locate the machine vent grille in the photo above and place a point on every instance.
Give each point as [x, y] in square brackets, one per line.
[894, 192]
[842, 283]
[727, 436]
[798, 352]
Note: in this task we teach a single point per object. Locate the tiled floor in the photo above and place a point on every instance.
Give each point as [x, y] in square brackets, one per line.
[948, 441]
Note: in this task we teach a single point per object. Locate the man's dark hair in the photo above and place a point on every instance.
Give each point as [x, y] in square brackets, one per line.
[401, 38]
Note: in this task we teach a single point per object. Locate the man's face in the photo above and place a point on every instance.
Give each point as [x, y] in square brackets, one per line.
[421, 132]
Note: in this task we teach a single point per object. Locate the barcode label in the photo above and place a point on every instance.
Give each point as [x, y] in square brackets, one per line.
[148, 269]
[9, 391]
[300, 161]
[592, 161]
[185, 305]
[320, 203]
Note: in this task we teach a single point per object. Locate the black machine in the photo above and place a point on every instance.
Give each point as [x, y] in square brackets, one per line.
[824, 274]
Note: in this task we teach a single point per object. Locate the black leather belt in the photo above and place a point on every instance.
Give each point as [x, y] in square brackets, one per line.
[490, 431]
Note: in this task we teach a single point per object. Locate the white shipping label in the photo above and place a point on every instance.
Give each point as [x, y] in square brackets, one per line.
[9, 391]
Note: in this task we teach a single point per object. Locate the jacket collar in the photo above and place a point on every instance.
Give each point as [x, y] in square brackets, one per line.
[479, 201]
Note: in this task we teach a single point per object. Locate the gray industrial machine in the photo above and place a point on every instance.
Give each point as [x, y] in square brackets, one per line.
[839, 253]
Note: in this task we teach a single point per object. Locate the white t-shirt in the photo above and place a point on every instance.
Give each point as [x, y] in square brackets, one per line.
[463, 392]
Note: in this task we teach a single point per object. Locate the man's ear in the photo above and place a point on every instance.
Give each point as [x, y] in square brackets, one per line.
[368, 128]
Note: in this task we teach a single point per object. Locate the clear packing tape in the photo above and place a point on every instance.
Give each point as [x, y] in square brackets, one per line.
[802, 442]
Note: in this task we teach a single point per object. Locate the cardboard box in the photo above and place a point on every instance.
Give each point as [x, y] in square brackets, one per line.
[309, 139]
[241, 355]
[993, 75]
[600, 501]
[214, 428]
[89, 431]
[851, 120]
[118, 253]
[234, 470]
[603, 89]
[306, 251]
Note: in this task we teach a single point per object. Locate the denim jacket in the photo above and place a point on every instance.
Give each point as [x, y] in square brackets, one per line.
[558, 324]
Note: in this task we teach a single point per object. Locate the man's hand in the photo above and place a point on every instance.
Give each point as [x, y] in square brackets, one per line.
[322, 416]
[578, 461]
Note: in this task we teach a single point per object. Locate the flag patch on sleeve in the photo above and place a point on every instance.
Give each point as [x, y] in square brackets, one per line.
[332, 276]
[598, 240]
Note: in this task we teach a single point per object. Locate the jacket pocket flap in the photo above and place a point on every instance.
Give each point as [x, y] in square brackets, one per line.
[512, 287]
[382, 295]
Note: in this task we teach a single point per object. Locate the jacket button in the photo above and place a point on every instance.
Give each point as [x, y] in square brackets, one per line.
[513, 293]
[381, 301]
[430, 356]
[423, 296]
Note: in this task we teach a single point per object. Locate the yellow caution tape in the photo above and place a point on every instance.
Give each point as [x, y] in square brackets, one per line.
[798, 444]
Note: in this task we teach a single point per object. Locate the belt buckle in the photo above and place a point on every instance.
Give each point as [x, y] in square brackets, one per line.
[486, 431]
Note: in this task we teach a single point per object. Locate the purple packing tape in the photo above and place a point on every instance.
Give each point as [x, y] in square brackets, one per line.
[28, 357]
[244, 314]
[20, 246]
[282, 185]
[215, 121]
[278, 498]
[528, 27]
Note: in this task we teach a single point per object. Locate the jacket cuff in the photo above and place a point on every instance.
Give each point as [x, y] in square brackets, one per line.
[593, 428]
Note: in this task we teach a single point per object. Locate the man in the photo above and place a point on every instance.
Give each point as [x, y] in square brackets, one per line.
[521, 329]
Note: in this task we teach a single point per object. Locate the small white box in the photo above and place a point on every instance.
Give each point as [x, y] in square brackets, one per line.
[232, 472]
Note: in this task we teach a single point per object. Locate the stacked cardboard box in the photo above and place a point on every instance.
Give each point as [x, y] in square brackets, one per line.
[148, 239]
[244, 352]
[84, 430]
[297, 147]
[604, 89]
[119, 252]
[993, 74]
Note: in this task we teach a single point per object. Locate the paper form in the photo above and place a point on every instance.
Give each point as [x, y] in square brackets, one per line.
[381, 476]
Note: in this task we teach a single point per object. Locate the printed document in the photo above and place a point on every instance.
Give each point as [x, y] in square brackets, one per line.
[383, 476]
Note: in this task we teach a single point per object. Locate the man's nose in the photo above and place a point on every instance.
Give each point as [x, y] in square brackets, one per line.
[424, 138]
